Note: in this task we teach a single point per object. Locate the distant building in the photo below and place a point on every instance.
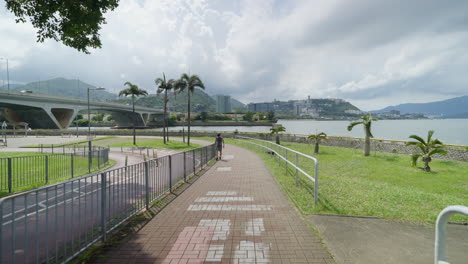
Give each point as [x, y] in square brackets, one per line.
[223, 104]
[261, 107]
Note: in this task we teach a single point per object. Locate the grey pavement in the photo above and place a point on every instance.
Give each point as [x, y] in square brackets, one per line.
[374, 240]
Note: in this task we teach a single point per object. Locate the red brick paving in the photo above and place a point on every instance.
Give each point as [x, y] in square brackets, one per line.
[264, 228]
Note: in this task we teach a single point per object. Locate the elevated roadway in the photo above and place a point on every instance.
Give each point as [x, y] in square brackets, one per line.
[54, 112]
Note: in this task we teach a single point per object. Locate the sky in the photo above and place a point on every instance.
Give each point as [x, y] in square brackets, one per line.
[372, 53]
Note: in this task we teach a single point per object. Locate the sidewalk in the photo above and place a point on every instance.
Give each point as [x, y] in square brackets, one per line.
[235, 213]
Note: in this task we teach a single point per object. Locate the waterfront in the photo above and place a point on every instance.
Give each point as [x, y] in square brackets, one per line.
[449, 131]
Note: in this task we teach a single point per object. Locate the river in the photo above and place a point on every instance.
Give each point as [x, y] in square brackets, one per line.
[449, 131]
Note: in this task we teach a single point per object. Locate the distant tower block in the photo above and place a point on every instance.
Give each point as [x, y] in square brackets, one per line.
[223, 104]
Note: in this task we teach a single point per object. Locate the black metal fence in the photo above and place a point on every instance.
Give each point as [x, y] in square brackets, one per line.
[55, 223]
[17, 172]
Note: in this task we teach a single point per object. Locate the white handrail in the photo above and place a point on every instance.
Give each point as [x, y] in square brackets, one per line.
[441, 231]
[313, 179]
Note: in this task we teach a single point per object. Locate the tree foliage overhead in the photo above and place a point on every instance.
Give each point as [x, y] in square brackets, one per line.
[74, 23]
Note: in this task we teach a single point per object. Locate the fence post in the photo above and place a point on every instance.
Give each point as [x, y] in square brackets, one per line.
[316, 183]
[72, 165]
[52, 148]
[46, 169]
[90, 155]
[193, 155]
[99, 158]
[170, 173]
[9, 176]
[185, 167]
[147, 198]
[297, 174]
[103, 206]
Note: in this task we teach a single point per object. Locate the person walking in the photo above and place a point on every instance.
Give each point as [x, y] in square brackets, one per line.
[219, 141]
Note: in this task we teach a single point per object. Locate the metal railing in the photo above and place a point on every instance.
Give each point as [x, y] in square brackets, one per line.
[56, 223]
[17, 172]
[284, 153]
[441, 228]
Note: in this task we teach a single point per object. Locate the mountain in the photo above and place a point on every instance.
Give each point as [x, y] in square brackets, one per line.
[454, 107]
[66, 88]
[200, 101]
[12, 86]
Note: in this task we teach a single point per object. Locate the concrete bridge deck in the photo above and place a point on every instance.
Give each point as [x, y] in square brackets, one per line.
[44, 111]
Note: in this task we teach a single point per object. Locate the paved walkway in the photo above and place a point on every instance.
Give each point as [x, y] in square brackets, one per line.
[235, 213]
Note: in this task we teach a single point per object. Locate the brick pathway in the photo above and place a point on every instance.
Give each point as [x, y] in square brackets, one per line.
[235, 213]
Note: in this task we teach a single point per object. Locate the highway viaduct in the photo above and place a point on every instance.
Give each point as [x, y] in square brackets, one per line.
[53, 112]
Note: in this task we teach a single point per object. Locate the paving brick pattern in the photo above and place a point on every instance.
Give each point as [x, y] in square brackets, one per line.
[227, 216]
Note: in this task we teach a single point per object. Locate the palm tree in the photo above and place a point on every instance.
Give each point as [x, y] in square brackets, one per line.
[133, 90]
[276, 130]
[164, 86]
[428, 148]
[317, 138]
[366, 121]
[189, 82]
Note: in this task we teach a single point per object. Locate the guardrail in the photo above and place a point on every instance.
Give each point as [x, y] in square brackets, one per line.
[441, 228]
[283, 153]
[16, 172]
[54, 224]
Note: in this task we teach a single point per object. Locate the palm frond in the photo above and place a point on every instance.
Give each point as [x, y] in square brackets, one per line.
[418, 138]
[414, 159]
[437, 151]
[353, 124]
[429, 135]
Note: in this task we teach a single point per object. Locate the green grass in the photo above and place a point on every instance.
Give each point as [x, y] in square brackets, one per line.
[382, 185]
[69, 143]
[30, 173]
[118, 142]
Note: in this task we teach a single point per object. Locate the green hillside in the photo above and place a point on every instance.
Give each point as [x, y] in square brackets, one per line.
[65, 87]
[177, 102]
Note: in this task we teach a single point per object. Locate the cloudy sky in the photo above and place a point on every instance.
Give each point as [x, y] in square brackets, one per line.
[373, 53]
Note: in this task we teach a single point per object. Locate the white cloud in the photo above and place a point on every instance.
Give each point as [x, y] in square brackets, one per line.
[366, 51]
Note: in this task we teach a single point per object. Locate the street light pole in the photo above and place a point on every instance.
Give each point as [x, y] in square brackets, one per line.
[89, 114]
[8, 74]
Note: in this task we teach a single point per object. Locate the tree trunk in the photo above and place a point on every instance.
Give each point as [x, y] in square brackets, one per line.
[165, 116]
[277, 139]
[133, 109]
[188, 111]
[367, 145]
[316, 150]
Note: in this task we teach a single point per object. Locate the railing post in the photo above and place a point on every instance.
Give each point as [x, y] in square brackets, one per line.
[72, 165]
[185, 166]
[52, 148]
[103, 206]
[46, 169]
[9, 176]
[297, 172]
[193, 155]
[316, 182]
[147, 198]
[170, 173]
[441, 229]
[99, 158]
[90, 156]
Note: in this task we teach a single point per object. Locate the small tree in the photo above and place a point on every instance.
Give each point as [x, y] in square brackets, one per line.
[366, 121]
[133, 90]
[248, 116]
[204, 116]
[276, 130]
[317, 138]
[428, 148]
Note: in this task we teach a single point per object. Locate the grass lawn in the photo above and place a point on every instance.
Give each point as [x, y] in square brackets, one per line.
[145, 142]
[383, 184]
[30, 172]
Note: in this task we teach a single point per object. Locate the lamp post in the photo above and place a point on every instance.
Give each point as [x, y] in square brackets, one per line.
[8, 73]
[89, 114]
